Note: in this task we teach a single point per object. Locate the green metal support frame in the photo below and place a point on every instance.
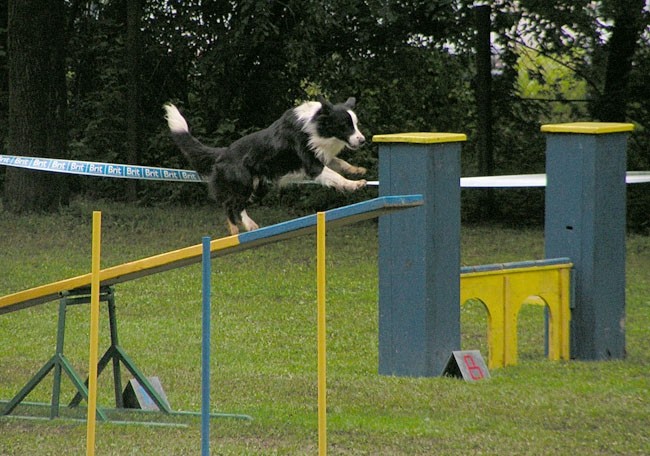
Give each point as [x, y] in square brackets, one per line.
[59, 363]
[115, 353]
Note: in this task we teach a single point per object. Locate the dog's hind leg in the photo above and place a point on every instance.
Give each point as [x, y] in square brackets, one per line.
[233, 219]
[232, 228]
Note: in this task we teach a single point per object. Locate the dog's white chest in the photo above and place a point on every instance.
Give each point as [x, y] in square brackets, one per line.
[326, 148]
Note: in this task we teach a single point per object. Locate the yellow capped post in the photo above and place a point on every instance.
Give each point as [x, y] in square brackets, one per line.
[420, 138]
[419, 257]
[588, 128]
[585, 200]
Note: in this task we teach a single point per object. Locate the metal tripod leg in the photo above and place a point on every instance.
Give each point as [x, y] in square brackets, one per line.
[60, 364]
[116, 354]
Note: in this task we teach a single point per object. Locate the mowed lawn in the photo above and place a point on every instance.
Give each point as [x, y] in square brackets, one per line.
[264, 348]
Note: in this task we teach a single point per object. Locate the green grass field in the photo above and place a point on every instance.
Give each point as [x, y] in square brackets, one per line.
[264, 348]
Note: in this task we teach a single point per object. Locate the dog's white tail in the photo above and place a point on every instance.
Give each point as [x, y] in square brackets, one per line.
[175, 120]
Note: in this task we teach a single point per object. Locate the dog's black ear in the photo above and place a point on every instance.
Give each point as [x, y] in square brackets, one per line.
[350, 103]
[327, 106]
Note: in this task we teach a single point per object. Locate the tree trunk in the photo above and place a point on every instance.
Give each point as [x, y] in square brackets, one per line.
[483, 94]
[133, 54]
[37, 102]
[4, 80]
[628, 25]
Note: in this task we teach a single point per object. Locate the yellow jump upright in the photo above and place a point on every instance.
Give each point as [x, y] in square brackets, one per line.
[94, 333]
[504, 288]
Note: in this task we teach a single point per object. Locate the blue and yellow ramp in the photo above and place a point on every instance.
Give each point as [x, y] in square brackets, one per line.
[190, 255]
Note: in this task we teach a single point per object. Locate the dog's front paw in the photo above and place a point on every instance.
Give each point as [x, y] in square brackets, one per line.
[356, 185]
[358, 171]
[249, 224]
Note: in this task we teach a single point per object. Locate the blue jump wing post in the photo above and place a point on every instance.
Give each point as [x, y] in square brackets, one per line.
[585, 221]
[419, 254]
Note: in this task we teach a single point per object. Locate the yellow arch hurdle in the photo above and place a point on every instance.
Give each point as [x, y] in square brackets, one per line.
[504, 288]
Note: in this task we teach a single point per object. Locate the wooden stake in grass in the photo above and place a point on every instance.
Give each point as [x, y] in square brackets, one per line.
[94, 333]
[322, 333]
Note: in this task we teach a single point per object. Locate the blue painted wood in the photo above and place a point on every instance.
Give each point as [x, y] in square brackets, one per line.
[334, 217]
[299, 227]
[206, 269]
[514, 265]
[585, 221]
[419, 260]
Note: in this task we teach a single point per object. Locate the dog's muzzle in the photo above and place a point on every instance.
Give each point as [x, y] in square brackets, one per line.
[356, 141]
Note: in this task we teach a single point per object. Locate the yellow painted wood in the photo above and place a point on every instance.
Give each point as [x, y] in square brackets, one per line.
[420, 138]
[488, 290]
[94, 334]
[504, 292]
[191, 255]
[551, 267]
[565, 314]
[588, 128]
[509, 323]
[120, 273]
[51, 289]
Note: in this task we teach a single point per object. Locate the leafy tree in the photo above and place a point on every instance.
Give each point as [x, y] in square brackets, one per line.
[236, 66]
[629, 22]
[118, 83]
[601, 43]
[608, 34]
[549, 79]
[4, 78]
[134, 113]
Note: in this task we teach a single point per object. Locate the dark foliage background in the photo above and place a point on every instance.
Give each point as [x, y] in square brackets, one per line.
[234, 67]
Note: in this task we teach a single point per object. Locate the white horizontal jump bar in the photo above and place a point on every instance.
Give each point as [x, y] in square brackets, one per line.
[526, 180]
[512, 181]
[534, 180]
[637, 177]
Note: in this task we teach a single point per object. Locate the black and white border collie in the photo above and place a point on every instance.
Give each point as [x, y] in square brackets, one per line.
[303, 143]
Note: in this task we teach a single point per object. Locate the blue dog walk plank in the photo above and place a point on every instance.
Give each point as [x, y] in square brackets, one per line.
[334, 217]
[224, 246]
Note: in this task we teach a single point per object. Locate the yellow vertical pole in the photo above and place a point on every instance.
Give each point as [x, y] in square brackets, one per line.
[565, 312]
[94, 334]
[322, 334]
[509, 325]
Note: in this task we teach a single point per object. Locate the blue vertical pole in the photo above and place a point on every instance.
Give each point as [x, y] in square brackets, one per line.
[585, 221]
[419, 254]
[205, 350]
